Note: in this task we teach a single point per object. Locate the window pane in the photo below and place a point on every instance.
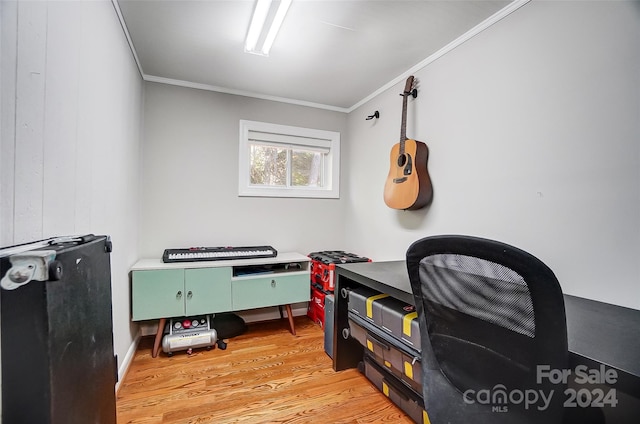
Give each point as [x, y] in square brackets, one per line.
[306, 168]
[284, 161]
[268, 165]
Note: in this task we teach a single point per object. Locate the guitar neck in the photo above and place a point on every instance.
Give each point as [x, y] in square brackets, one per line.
[403, 128]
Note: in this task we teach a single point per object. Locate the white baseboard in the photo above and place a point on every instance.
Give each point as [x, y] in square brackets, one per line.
[128, 358]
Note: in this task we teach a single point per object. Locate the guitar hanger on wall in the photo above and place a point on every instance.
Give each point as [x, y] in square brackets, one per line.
[376, 115]
[413, 93]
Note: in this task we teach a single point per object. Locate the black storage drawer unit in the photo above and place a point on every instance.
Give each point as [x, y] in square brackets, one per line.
[405, 398]
[394, 317]
[400, 360]
[388, 330]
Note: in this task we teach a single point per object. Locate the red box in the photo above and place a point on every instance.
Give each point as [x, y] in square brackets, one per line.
[323, 265]
[320, 317]
[323, 274]
[315, 311]
[311, 312]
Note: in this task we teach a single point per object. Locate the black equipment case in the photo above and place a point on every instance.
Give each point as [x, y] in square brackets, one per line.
[388, 330]
[405, 398]
[58, 364]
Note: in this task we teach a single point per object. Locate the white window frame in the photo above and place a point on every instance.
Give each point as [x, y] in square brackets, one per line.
[287, 136]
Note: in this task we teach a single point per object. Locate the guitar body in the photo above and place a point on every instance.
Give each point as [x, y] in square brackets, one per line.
[408, 185]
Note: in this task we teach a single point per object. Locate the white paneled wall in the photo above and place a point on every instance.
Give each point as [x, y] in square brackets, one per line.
[71, 128]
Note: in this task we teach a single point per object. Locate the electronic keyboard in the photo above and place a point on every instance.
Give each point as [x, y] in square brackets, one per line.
[193, 254]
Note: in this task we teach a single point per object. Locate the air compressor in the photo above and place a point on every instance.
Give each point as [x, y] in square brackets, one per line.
[189, 333]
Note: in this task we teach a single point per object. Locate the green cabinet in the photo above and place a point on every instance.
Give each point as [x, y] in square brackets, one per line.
[208, 290]
[278, 289]
[180, 292]
[165, 290]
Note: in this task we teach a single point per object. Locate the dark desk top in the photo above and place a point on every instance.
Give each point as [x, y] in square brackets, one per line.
[604, 333]
[598, 333]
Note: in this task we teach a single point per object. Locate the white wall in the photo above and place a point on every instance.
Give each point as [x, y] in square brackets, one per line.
[534, 129]
[190, 176]
[71, 124]
[190, 180]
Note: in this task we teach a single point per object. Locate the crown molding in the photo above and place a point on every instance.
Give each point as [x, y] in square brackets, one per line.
[116, 6]
[244, 93]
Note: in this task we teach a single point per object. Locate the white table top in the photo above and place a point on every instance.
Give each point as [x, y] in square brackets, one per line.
[156, 263]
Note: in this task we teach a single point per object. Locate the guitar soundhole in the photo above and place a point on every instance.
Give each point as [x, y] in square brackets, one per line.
[402, 160]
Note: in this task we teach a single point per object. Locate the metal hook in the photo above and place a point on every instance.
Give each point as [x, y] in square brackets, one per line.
[376, 115]
[413, 93]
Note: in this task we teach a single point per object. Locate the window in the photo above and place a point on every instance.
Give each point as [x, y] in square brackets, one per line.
[284, 161]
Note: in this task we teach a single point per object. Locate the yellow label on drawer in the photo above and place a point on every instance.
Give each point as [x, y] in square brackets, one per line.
[385, 389]
[408, 369]
[387, 364]
[370, 345]
[406, 323]
[425, 417]
[370, 301]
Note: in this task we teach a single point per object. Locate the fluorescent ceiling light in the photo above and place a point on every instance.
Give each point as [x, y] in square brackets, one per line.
[275, 25]
[258, 20]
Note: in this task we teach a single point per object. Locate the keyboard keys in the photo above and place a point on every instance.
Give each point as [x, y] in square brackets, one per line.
[217, 253]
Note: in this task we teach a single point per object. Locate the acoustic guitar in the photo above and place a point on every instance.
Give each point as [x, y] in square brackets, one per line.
[408, 184]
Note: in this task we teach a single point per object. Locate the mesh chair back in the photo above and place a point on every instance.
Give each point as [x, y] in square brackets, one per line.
[490, 315]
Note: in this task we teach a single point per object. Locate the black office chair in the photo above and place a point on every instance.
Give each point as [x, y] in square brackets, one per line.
[492, 320]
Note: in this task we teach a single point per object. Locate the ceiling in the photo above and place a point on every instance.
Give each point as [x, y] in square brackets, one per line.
[328, 54]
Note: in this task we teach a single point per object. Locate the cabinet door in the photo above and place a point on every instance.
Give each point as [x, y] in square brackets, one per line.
[157, 294]
[207, 290]
[270, 291]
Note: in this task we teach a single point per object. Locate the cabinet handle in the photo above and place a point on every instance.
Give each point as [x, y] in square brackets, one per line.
[179, 294]
[273, 283]
[189, 294]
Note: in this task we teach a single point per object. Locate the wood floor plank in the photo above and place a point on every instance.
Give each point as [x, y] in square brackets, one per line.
[266, 375]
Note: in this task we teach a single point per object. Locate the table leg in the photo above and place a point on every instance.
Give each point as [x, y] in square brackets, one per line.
[347, 352]
[290, 315]
[158, 339]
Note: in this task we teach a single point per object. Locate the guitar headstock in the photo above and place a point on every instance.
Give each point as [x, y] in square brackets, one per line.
[410, 87]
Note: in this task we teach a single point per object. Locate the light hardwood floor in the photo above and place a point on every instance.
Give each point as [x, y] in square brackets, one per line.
[266, 375]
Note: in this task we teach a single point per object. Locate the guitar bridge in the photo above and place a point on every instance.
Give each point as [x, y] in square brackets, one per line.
[399, 180]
